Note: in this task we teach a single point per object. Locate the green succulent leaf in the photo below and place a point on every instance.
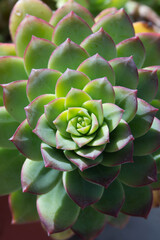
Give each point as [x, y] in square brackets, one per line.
[97, 67]
[27, 142]
[81, 162]
[156, 156]
[56, 210]
[143, 118]
[65, 143]
[156, 185]
[147, 86]
[90, 152]
[101, 43]
[15, 99]
[24, 33]
[7, 49]
[38, 53]
[54, 158]
[67, 55]
[127, 100]
[102, 136]
[80, 191]
[73, 27]
[46, 80]
[36, 108]
[36, 178]
[100, 89]
[61, 123]
[119, 222]
[118, 25]
[44, 131]
[132, 47]
[86, 227]
[83, 140]
[101, 175]
[156, 69]
[70, 79]
[23, 207]
[111, 200]
[8, 125]
[124, 155]
[22, 8]
[11, 162]
[138, 201]
[139, 173]
[125, 71]
[149, 142]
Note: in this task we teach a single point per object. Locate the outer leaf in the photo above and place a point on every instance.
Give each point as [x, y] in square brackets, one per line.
[112, 200]
[139, 173]
[118, 25]
[156, 185]
[23, 207]
[97, 67]
[80, 191]
[119, 222]
[101, 43]
[46, 80]
[21, 8]
[8, 126]
[56, 210]
[138, 201]
[24, 33]
[101, 175]
[7, 49]
[15, 99]
[157, 70]
[63, 235]
[73, 27]
[67, 55]
[105, 12]
[89, 223]
[11, 162]
[132, 47]
[76, 97]
[38, 179]
[27, 142]
[55, 159]
[125, 71]
[38, 53]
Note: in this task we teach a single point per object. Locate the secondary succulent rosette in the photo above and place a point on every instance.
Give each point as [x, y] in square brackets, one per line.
[80, 116]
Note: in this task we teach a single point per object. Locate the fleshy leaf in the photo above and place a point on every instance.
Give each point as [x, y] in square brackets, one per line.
[21, 8]
[7, 49]
[112, 115]
[124, 155]
[119, 222]
[86, 227]
[127, 100]
[143, 118]
[100, 89]
[65, 143]
[27, 142]
[15, 99]
[97, 67]
[125, 71]
[54, 209]
[77, 111]
[67, 55]
[24, 33]
[101, 43]
[149, 142]
[148, 84]
[90, 152]
[132, 47]
[156, 185]
[36, 178]
[64, 235]
[138, 201]
[119, 138]
[11, 162]
[139, 173]
[111, 200]
[67, 8]
[36, 108]
[156, 156]
[23, 207]
[101, 175]
[102, 136]
[105, 12]
[8, 125]
[80, 191]
[83, 140]
[157, 70]
[38, 53]
[81, 162]
[44, 131]
[46, 80]
[118, 25]
[73, 27]
[61, 123]
[55, 159]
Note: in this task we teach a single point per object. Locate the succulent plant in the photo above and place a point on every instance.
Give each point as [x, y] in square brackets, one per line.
[79, 113]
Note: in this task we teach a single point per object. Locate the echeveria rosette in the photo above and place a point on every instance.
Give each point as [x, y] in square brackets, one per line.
[81, 111]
